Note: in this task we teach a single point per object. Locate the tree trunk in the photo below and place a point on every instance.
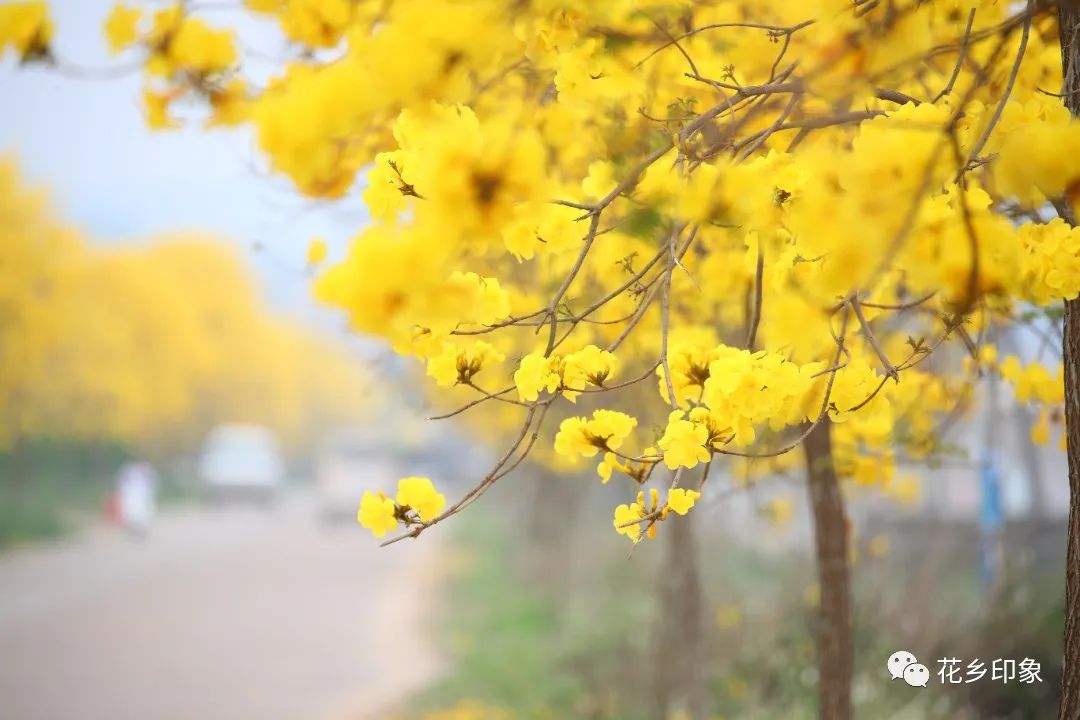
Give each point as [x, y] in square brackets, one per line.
[1070, 677]
[1069, 30]
[680, 628]
[834, 641]
[551, 522]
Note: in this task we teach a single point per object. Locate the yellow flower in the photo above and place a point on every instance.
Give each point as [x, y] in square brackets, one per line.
[535, 374]
[26, 27]
[156, 107]
[606, 430]
[1040, 431]
[198, 48]
[386, 192]
[458, 364]
[377, 514]
[608, 465]
[588, 366]
[684, 442]
[475, 176]
[905, 490]
[419, 494]
[779, 510]
[231, 104]
[637, 510]
[728, 617]
[121, 27]
[680, 500]
[628, 514]
[1034, 382]
[316, 252]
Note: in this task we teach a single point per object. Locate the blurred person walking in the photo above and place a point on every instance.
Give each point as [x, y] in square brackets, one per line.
[136, 489]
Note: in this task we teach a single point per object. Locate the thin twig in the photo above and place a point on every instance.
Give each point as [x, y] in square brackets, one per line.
[759, 275]
[959, 58]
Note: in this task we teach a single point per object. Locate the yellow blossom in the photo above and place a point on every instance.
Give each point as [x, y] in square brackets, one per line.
[605, 430]
[316, 252]
[419, 494]
[156, 107]
[588, 366]
[684, 443]
[625, 517]
[680, 500]
[122, 27]
[536, 374]
[25, 27]
[377, 513]
[460, 363]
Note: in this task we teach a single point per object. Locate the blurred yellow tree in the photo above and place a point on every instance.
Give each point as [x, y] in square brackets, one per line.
[151, 345]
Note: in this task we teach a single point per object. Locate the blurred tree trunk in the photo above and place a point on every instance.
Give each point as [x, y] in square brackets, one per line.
[1069, 33]
[551, 520]
[834, 641]
[680, 654]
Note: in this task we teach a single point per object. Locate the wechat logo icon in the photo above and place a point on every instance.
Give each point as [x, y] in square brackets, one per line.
[903, 664]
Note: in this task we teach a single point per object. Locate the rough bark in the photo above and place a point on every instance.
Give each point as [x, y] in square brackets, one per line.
[1070, 679]
[680, 628]
[834, 635]
[1069, 29]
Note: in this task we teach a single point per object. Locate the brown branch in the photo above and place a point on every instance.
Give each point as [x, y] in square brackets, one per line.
[985, 137]
[959, 59]
[665, 317]
[480, 488]
[890, 369]
[474, 403]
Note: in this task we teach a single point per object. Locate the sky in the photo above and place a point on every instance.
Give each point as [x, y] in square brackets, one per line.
[108, 174]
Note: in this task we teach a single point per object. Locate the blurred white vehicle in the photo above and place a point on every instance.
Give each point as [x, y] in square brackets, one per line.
[241, 462]
[349, 462]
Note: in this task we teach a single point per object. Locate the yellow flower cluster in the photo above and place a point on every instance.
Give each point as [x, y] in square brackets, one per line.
[149, 345]
[1051, 261]
[1037, 385]
[122, 27]
[737, 390]
[417, 502]
[396, 284]
[1034, 382]
[686, 442]
[639, 518]
[184, 56]
[25, 27]
[569, 374]
[313, 23]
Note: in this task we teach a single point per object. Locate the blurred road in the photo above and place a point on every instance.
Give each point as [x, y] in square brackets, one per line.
[219, 614]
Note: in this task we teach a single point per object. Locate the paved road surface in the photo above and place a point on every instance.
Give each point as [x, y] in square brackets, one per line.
[220, 615]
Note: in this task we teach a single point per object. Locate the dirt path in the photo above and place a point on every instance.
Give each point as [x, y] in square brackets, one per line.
[219, 615]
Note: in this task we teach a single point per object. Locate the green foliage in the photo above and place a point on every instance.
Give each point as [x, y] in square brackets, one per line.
[500, 635]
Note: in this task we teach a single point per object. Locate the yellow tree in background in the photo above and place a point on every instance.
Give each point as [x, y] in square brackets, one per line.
[149, 346]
